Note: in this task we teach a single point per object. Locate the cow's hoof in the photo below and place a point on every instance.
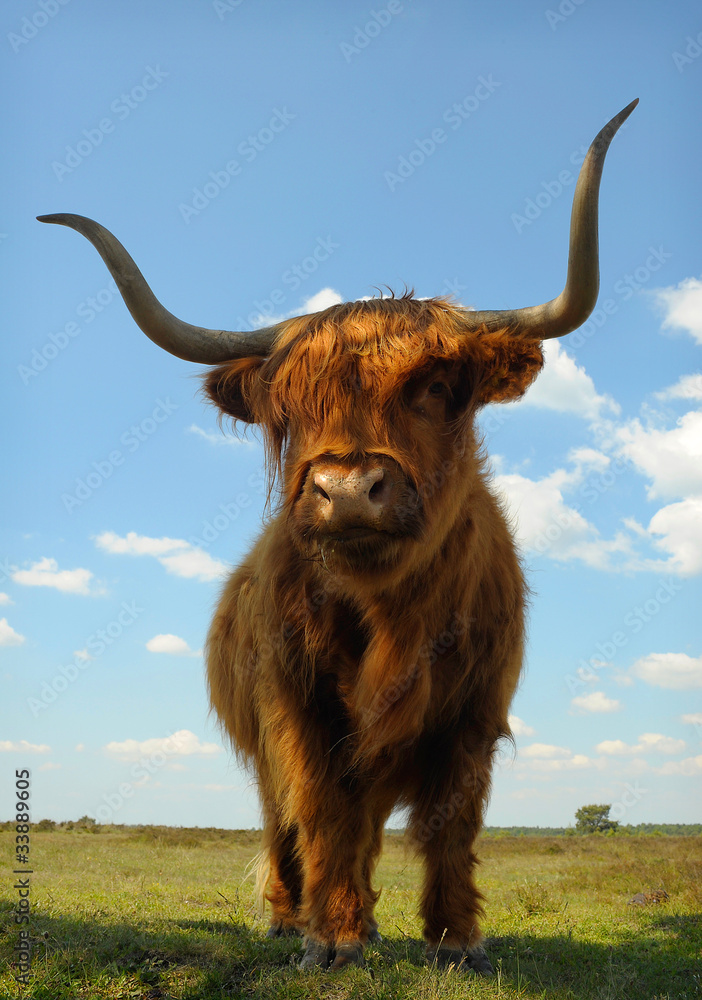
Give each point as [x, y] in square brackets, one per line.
[472, 959]
[374, 936]
[317, 955]
[350, 953]
[280, 929]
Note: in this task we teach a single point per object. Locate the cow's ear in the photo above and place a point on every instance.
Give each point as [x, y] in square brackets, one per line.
[511, 365]
[234, 387]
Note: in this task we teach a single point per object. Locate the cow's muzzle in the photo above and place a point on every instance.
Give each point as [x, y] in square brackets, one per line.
[353, 501]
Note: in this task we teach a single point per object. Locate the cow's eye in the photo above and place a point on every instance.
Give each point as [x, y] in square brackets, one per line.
[437, 389]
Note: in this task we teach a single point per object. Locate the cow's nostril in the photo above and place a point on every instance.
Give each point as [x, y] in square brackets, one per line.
[376, 490]
[323, 485]
[322, 493]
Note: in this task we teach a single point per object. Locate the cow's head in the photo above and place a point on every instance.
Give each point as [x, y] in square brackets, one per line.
[367, 407]
[367, 412]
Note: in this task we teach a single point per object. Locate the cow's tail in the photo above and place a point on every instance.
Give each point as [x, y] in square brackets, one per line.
[260, 869]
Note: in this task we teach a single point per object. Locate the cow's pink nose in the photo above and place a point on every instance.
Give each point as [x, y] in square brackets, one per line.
[354, 495]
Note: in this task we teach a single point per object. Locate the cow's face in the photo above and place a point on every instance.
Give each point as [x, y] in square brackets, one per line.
[368, 416]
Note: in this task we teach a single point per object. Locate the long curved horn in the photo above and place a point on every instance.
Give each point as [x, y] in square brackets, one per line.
[577, 300]
[192, 343]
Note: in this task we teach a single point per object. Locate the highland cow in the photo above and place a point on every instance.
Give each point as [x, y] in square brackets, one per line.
[365, 653]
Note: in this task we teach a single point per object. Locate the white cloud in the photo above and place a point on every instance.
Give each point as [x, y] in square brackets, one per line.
[597, 701]
[219, 437]
[50, 765]
[656, 743]
[687, 387]
[544, 758]
[519, 727]
[564, 386]
[588, 460]
[6, 599]
[320, 300]
[180, 744]
[544, 751]
[676, 671]
[46, 573]
[683, 306]
[175, 555]
[671, 458]
[689, 767]
[614, 748]
[621, 679]
[575, 762]
[137, 545]
[315, 303]
[546, 524]
[194, 562]
[692, 718]
[22, 746]
[169, 643]
[648, 743]
[550, 523]
[80, 747]
[679, 526]
[8, 636]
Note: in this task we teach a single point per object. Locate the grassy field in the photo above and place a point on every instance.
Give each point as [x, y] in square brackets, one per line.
[163, 913]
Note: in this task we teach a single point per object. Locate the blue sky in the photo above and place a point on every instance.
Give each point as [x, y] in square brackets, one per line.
[263, 159]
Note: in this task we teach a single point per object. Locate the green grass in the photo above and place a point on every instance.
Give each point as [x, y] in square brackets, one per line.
[159, 913]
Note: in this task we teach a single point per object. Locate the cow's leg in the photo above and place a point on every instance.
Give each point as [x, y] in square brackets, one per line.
[445, 821]
[284, 885]
[336, 907]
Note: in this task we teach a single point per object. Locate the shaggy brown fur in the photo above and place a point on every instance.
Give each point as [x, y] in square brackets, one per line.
[356, 673]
